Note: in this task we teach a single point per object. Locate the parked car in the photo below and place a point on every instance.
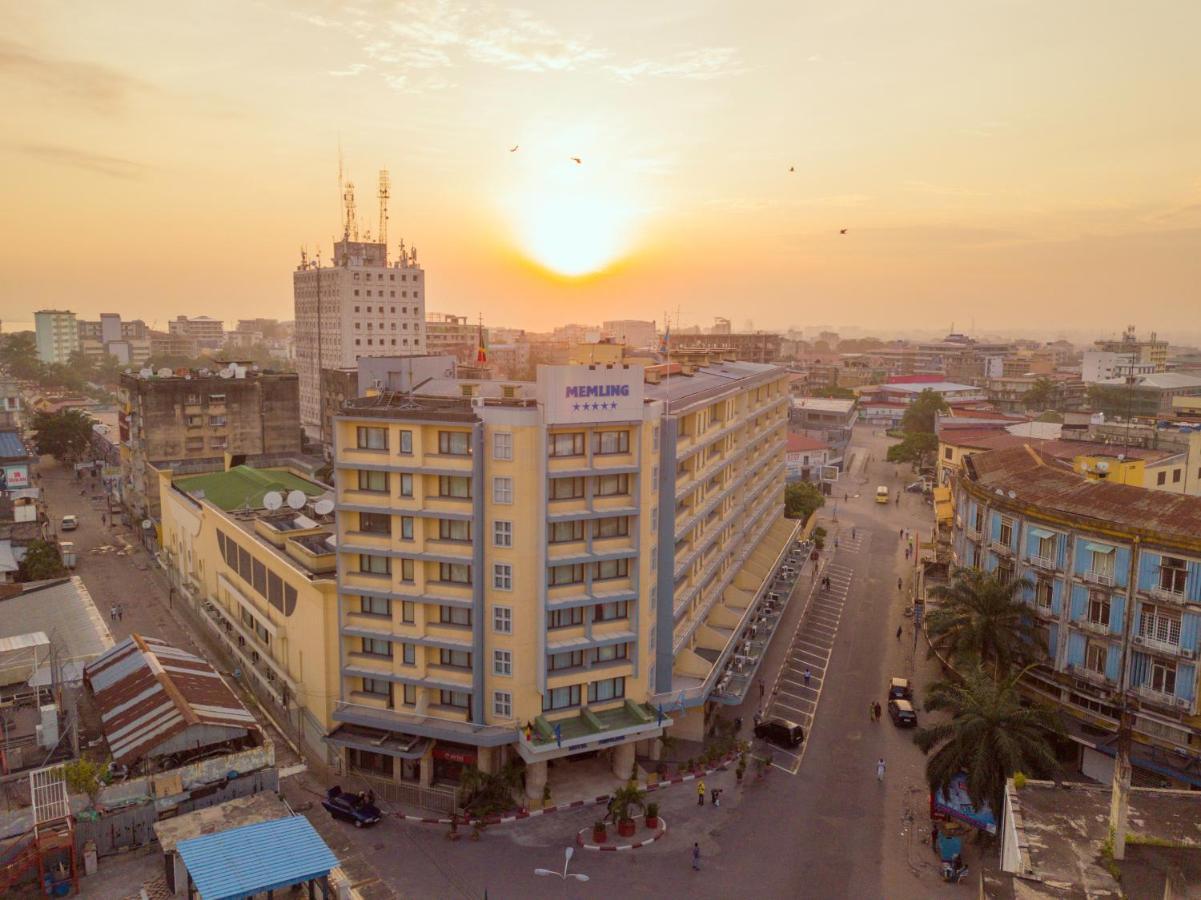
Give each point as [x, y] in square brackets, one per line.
[69, 523]
[780, 732]
[900, 689]
[882, 494]
[360, 809]
[902, 713]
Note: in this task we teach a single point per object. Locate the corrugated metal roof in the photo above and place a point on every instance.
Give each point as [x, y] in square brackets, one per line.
[148, 691]
[11, 446]
[253, 859]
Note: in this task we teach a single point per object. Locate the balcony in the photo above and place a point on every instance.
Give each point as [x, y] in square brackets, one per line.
[1000, 548]
[1167, 595]
[1159, 698]
[1166, 648]
[1105, 579]
[1093, 627]
[1042, 562]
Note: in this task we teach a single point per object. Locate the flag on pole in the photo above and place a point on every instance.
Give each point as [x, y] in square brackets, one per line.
[665, 341]
[481, 347]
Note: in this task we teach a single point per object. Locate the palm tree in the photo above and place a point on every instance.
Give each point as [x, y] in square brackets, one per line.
[980, 616]
[989, 737]
[1043, 394]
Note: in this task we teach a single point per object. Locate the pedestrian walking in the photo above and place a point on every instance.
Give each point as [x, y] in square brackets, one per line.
[907, 550]
[901, 534]
[700, 793]
[880, 769]
[757, 717]
[898, 498]
[900, 584]
[112, 613]
[934, 836]
[835, 543]
[696, 857]
[808, 675]
[715, 796]
[120, 611]
[878, 710]
[899, 629]
[852, 534]
[762, 689]
[871, 711]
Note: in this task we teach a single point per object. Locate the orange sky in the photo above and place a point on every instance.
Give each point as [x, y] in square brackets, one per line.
[1019, 164]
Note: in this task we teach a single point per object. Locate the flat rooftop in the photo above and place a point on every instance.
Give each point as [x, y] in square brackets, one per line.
[244, 486]
[824, 404]
[264, 807]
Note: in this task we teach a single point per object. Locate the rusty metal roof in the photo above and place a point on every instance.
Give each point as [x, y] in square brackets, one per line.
[148, 691]
[1025, 475]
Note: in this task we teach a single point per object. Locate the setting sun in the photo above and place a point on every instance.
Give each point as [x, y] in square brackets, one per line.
[573, 230]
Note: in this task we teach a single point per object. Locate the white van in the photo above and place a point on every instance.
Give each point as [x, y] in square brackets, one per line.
[882, 494]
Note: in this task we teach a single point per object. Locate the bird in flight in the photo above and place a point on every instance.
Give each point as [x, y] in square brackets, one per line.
[513, 149]
[792, 168]
[842, 231]
[577, 160]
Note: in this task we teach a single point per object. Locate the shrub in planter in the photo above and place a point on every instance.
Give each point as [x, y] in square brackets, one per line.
[600, 834]
[625, 799]
[652, 815]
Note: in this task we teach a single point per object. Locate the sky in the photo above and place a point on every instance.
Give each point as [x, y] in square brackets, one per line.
[998, 164]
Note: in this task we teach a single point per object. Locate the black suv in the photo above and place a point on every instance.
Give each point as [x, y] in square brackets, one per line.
[781, 732]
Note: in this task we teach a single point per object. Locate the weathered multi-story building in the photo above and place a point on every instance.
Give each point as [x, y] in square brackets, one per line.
[207, 332]
[57, 335]
[758, 346]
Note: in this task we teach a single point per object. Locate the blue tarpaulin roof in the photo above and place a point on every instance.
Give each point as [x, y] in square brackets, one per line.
[11, 446]
[253, 859]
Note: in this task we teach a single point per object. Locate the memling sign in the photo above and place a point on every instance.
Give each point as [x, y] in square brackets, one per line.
[585, 394]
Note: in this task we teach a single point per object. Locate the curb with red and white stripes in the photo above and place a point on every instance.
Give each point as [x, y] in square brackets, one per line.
[617, 848]
[574, 804]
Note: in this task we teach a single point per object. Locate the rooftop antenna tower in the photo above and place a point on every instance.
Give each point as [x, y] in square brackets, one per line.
[385, 191]
[350, 228]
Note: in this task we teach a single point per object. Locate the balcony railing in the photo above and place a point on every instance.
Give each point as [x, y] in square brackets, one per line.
[1167, 595]
[1001, 547]
[1042, 562]
[1094, 627]
[1151, 695]
[1166, 647]
[1102, 578]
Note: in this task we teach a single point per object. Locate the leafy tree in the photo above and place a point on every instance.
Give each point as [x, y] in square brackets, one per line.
[980, 617]
[625, 800]
[19, 355]
[921, 413]
[802, 499]
[1049, 415]
[990, 736]
[488, 793]
[42, 560]
[65, 435]
[83, 776]
[1043, 394]
[914, 448]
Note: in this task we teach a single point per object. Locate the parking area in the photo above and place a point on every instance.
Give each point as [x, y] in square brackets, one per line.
[798, 687]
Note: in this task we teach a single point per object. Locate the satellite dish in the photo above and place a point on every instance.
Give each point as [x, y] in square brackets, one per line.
[165, 372]
[147, 524]
[296, 499]
[227, 372]
[146, 373]
[1102, 467]
[323, 507]
[1012, 495]
[273, 500]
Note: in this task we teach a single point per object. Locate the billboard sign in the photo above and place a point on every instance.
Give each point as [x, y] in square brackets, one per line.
[954, 804]
[584, 394]
[14, 478]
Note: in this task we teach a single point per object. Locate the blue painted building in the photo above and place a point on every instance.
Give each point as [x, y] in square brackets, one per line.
[1115, 575]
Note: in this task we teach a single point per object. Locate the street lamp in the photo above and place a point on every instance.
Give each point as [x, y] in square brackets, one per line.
[578, 876]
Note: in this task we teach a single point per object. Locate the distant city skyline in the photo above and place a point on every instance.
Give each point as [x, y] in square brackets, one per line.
[989, 161]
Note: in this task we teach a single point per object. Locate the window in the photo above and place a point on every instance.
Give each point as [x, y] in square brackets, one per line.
[408, 612]
[377, 647]
[1043, 593]
[561, 698]
[376, 482]
[1006, 535]
[1161, 625]
[605, 442]
[568, 444]
[566, 488]
[371, 763]
[406, 484]
[1098, 608]
[606, 689]
[219, 422]
[195, 421]
[375, 523]
[571, 574]
[456, 573]
[978, 524]
[502, 704]
[406, 570]
[502, 490]
[454, 615]
[456, 486]
[457, 699]
[571, 659]
[502, 577]
[612, 526]
[275, 590]
[459, 659]
[564, 618]
[948, 453]
[655, 439]
[410, 695]
[454, 530]
[612, 652]
[562, 532]
[375, 565]
[502, 445]
[502, 619]
[379, 688]
[1046, 547]
[406, 528]
[1102, 564]
[454, 443]
[611, 568]
[1096, 657]
[502, 533]
[1175, 476]
[375, 606]
[1005, 571]
[502, 662]
[609, 485]
[1163, 677]
[406, 442]
[1173, 573]
[372, 438]
[1161, 478]
[608, 612]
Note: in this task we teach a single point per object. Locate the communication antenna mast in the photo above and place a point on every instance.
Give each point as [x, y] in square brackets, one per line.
[350, 230]
[385, 191]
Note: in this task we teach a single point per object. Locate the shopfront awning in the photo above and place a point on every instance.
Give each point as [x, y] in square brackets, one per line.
[401, 746]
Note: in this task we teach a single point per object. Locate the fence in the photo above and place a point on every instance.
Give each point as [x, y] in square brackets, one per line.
[437, 799]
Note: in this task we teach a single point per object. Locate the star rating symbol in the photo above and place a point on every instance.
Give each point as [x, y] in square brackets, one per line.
[576, 407]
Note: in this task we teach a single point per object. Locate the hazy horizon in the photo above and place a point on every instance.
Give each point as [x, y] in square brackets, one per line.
[1030, 168]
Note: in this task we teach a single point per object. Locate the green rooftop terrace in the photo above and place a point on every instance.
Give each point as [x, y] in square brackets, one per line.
[243, 486]
[587, 723]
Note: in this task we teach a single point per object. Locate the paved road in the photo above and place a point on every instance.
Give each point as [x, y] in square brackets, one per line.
[829, 831]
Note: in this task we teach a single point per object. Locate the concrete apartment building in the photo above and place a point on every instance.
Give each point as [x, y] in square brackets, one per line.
[129, 342]
[1152, 351]
[196, 422]
[446, 333]
[634, 333]
[1116, 596]
[362, 305]
[758, 347]
[250, 551]
[57, 335]
[532, 568]
[207, 332]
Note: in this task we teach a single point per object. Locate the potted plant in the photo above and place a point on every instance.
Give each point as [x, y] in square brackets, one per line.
[652, 815]
[600, 834]
[625, 800]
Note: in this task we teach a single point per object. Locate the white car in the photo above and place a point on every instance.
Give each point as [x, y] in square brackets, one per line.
[69, 523]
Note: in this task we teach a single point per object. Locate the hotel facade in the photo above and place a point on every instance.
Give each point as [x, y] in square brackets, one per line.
[549, 570]
[1115, 571]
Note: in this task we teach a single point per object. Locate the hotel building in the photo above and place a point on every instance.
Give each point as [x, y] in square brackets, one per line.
[548, 569]
[1116, 596]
